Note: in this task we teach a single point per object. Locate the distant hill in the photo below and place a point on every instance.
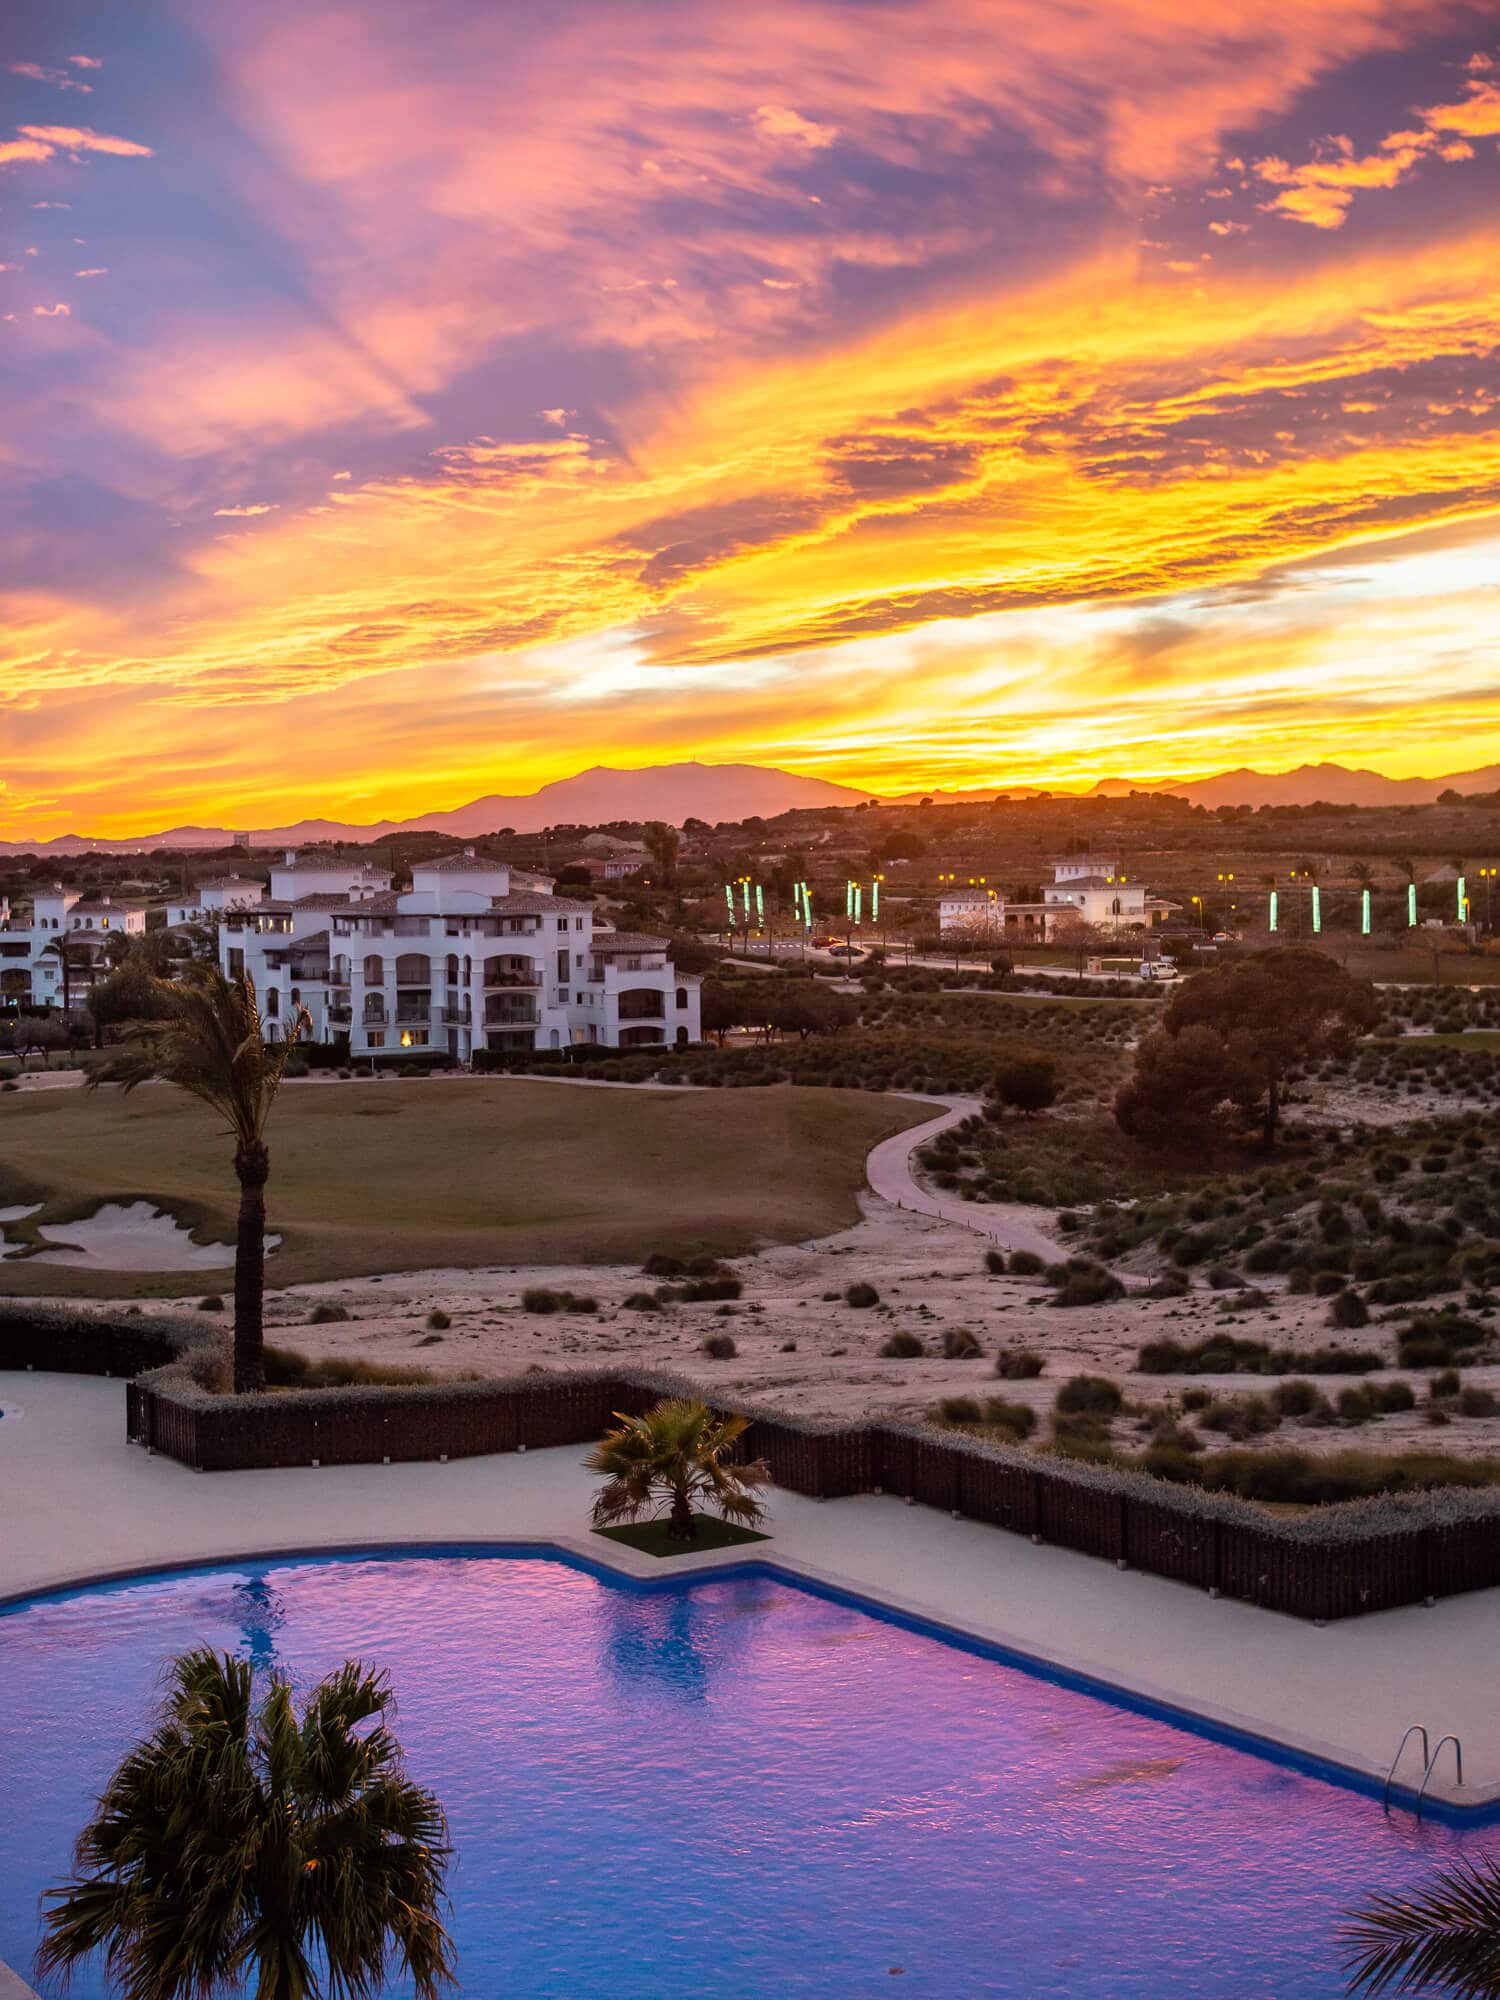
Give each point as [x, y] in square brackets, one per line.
[1309, 784]
[672, 792]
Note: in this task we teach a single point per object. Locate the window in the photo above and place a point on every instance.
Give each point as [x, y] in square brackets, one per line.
[682, 996]
[578, 923]
[562, 968]
[374, 972]
[578, 961]
[562, 923]
[413, 1038]
[375, 1041]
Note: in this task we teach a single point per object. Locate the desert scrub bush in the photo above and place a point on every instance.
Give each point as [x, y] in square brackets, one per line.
[1091, 1286]
[287, 1369]
[994, 1263]
[539, 1299]
[960, 1345]
[861, 1294]
[641, 1302]
[901, 1346]
[324, 1314]
[1298, 1397]
[1026, 1264]
[1240, 1417]
[1436, 1340]
[1223, 1354]
[959, 1410]
[1477, 1402]
[1311, 1479]
[438, 1321]
[211, 1302]
[1094, 1395]
[699, 1291]
[1348, 1310]
[719, 1346]
[1222, 1277]
[1169, 1285]
[1018, 1364]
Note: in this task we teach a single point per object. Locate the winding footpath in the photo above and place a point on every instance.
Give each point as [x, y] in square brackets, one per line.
[1006, 1225]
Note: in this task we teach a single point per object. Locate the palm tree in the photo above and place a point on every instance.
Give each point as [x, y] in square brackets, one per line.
[1445, 1939]
[245, 1846]
[1363, 874]
[664, 843]
[62, 949]
[676, 1453]
[211, 1043]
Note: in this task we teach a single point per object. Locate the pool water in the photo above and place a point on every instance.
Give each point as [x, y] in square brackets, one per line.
[738, 1786]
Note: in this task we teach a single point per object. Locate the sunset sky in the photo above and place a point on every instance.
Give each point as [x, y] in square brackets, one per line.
[400, 403]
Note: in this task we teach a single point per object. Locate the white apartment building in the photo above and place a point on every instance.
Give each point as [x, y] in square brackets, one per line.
[971, 910]
[475, 955]
[32, 972]
[209, 900]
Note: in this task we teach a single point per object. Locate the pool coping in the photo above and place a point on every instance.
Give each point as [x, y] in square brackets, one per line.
[1468, 1806]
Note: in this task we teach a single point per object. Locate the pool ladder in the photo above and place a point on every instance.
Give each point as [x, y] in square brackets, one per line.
[1430, 1758]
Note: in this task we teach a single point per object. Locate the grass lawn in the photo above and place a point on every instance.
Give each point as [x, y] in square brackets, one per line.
[409, 1174]
[651, 1538]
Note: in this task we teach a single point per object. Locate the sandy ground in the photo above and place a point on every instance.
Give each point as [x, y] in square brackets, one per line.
[1353, 1104]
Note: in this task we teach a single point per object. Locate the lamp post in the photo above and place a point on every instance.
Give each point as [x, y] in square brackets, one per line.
[1487, 877]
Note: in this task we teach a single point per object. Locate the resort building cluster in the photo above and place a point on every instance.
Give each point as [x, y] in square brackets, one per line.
[1086, 888]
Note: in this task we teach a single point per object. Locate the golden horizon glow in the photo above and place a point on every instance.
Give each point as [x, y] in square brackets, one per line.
[1000, 400]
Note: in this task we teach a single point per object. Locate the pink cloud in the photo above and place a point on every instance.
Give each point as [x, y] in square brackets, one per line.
[82, 139]
[58, 78]
[23, 149]
[86, 62]
[59, 311]
[1321, 192]
[93, 271]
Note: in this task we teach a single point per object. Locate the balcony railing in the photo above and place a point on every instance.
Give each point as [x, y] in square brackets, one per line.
[341, 1014]
[495, 982]
[457, 1017]
[408, 1016]
[515, 1015]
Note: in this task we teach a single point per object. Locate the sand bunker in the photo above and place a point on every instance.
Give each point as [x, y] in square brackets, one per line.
[129, 1236]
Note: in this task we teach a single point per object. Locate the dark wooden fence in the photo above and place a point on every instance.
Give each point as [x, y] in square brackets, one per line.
[1336, 1569]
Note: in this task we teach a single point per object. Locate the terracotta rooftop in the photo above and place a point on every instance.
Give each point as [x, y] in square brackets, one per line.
[610, 941]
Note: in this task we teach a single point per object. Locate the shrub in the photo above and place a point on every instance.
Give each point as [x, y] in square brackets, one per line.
[1297, 1398]
[1017, 1418]
[994, 1262]
[1313, 1479]
[1240, 1417]
[861, 1294]
[1476, 1402]
[212, 1303]
[1170, 1285]
[960, 1410]
[1093, 1395]
[1018, 1364]
[1446, 1384]
[538, 1299]
[901, 1347]
[1348, 1309]
[1222, 1277]
[960, 1345]
[439, 1322]
[1433, 1340]
[1326, 1283]
[660, 1265]
[1026, 1264]
[287, 1369]
[719, 1346]
[697, 1290]
[324, 1314]
[1093, 1286]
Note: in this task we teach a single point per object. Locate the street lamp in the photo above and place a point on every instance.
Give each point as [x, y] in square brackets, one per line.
[1487, 877]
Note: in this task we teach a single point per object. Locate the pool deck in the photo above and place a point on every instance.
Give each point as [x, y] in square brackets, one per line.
[79, 1502]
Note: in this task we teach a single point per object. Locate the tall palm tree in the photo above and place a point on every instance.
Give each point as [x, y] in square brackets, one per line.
[675, 1454]
[211, 1043]
[64, 950]
[245, 1846]
[1363, 874]
[1445, 1939]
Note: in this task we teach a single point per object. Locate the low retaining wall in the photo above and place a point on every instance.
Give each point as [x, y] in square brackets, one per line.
[1337, 1562]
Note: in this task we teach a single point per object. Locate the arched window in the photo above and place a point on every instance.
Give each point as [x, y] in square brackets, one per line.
[682, 1000]
[453, 968]
[273, 1003]
[413, 968]
[374, 970]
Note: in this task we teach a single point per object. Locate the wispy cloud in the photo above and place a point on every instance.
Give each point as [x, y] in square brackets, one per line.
[82, 139]
[244, 513]
[58, 78]
[86, 62]
[58, 311]
[1321, 191]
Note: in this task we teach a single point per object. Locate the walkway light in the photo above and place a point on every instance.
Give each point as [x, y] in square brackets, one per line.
[1317, 909]
[1364, 912]
[1463, 900]
[1411, 905]
[1273, 910]
[729, 899]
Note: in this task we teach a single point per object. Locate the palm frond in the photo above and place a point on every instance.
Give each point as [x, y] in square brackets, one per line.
[1445, 1939]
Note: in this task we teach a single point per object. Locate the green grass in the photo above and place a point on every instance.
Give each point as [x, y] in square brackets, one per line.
[407, 1175]
[650, 1537]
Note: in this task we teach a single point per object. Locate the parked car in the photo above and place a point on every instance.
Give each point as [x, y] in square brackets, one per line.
[1158, 968]
[845, 951]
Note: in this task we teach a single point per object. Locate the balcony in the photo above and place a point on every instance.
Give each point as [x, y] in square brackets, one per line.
[341, 1015]
[457, 1017]
[511, 1013]
[643, 1004]
[409, 1016]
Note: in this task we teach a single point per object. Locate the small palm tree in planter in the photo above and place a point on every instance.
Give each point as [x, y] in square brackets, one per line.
[211, 1042]
[244, 1848]
[676, 1454]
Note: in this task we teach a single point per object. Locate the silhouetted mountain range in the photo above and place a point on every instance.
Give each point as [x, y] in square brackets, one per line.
[1333, 784]
[672, 792]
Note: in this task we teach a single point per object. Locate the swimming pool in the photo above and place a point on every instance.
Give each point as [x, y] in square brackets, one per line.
[738, 1785]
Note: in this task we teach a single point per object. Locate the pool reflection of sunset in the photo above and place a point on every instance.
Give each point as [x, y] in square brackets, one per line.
[946, 394]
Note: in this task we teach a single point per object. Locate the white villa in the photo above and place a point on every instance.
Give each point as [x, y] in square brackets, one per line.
[1089, 888]
[62, 920]
[475, 955]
